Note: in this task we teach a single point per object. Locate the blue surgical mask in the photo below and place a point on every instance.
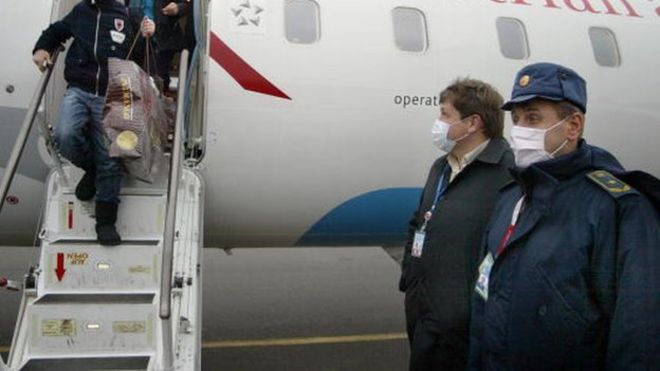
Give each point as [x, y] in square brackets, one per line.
[440, 132]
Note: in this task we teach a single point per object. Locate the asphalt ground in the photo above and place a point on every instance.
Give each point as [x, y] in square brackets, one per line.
[282, 309]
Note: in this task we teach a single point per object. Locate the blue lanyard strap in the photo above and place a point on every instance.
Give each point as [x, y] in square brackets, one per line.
[439, 192]
[442, 187]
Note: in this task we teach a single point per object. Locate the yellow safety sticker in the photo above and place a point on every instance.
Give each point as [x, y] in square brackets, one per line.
[128, 327]
[139, 269]
[58, 327]
[77, 258]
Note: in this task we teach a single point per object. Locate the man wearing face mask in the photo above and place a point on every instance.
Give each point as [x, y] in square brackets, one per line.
[441, 255]
[570, 274]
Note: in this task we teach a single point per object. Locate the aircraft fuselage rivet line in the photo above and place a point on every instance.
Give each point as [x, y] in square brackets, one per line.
[302, 341]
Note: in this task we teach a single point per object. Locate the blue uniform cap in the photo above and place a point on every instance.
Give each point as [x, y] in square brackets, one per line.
[548, 81]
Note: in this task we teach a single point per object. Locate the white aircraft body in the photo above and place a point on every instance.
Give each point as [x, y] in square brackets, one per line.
[314, 116]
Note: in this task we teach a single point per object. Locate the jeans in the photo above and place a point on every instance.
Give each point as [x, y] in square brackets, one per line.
[81, 139]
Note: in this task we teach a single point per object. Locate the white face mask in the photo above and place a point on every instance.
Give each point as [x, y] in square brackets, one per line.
[528, 144]
[439, 133]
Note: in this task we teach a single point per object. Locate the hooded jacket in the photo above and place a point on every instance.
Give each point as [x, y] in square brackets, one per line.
[100, 29]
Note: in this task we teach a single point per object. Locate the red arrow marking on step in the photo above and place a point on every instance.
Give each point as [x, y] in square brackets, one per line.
[60, 266]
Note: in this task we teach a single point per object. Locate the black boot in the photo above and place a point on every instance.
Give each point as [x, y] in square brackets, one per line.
[86, 188]
[106, 216]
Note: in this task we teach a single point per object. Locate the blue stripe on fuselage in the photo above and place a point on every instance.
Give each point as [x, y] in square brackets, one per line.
[375, 218]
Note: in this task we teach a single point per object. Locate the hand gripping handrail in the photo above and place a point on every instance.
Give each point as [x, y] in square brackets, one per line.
[21, 140]
[170, 218]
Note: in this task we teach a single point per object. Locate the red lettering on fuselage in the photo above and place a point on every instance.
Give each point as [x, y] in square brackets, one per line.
[585, 6]
[606, 7]
[551, 4]
[630, 9]
[610, 8]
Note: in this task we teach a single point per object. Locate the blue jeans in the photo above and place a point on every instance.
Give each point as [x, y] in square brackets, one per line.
[80, 138]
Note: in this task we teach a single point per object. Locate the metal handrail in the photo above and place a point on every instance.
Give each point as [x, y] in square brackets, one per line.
[21, 140]
[170, 218]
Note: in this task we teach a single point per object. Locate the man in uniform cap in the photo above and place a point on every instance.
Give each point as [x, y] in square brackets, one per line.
[570, 275]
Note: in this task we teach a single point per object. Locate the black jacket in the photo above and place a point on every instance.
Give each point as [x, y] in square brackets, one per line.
[100, 29]
[577, 286]
[446, 269]
[170, 29]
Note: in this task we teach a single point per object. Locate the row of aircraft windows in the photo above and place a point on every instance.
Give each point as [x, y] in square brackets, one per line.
[302, 26]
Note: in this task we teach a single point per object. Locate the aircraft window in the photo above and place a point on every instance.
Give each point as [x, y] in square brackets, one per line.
[603, 43]
[513, 38]
[409, 29]
[301, 21]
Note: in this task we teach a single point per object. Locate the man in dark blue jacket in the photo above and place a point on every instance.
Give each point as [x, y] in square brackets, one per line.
[100, 29]
[570, 278]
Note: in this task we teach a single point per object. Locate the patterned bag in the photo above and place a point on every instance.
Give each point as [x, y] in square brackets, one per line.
[135, 118]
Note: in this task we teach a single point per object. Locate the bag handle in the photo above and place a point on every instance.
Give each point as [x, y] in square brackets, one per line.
[135, 39]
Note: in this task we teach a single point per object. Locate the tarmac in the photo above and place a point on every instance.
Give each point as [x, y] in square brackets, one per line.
[281, 308]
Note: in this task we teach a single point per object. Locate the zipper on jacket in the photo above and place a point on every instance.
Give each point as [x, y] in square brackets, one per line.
[96, 42]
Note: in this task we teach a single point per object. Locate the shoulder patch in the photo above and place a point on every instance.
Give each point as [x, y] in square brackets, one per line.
[610, 183]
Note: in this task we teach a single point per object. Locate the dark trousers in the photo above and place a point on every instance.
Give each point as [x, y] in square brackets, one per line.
[163, 62]
[431, 350]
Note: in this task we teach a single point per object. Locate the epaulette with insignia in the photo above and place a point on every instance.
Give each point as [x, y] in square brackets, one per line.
[610, 183]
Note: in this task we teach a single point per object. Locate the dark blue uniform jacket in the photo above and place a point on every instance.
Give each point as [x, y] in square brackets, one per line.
[100, 31]
[577, 287]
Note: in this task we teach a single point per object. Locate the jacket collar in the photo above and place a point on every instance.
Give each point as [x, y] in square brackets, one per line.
[539, 181]
[494, 151]
[559, 168]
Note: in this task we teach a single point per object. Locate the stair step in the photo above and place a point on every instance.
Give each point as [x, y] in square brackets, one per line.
[83, 268]
[99, 328]
[80, 364]
[139, 218]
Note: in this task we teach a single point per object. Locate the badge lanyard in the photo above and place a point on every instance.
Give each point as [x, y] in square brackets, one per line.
[440, 190]
[420, 236]
[512, 226]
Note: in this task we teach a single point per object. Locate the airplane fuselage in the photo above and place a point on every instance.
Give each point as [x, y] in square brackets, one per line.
[328, 142]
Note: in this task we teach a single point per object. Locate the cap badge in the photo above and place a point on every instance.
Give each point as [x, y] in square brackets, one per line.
[524, 81]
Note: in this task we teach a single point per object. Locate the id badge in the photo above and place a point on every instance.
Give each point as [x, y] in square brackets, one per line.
[484, 274]
[418, 244]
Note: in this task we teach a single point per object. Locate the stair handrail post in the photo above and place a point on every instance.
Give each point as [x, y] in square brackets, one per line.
[170, 220]
[26, 127]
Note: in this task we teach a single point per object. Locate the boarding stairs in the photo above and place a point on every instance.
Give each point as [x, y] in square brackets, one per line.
[136, 306]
